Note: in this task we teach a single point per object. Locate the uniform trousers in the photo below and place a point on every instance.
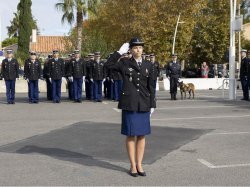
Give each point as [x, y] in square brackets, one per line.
[56, 90]
[10, 90]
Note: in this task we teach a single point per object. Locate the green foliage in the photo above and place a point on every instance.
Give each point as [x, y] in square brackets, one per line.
[25, 29]
[13, 29]
[9, 41]
[211, 36]
[154, 21]
[245, 4]
[93, 41]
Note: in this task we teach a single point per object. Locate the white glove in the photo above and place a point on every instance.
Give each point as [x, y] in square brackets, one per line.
[91, 80]
[151, 111]
[104, 79]
[112, 80]
[124, 49]
[71, 79]
[64, 79]
[50, 80]
[28, 80]
[108, 78]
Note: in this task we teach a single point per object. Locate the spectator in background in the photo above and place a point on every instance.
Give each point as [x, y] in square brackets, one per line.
[224, 71]
[204, 70]
[197, 70]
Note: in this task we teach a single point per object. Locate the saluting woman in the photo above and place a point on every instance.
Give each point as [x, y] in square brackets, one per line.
[137, 100]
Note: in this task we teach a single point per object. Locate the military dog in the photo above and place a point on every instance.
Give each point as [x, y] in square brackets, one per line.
[189, 87]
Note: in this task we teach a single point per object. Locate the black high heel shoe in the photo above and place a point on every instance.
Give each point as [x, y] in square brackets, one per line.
[143, 174]
[133, 174]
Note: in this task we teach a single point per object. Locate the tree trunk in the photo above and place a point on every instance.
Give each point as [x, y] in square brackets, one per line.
[79, 30]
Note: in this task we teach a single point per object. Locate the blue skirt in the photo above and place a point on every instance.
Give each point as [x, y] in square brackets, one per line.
[135, 123]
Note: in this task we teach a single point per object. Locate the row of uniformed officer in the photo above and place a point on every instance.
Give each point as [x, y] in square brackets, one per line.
[9, 72]
[32, 73]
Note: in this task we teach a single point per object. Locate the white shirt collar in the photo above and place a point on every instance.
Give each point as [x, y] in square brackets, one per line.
[138, 60]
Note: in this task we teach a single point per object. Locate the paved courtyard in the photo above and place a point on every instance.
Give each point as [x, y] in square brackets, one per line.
[204, 141]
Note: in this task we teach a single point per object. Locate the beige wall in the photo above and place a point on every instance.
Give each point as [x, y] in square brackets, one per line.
[22, 86]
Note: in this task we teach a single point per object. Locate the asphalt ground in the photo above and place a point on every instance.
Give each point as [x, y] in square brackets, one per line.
[201, 141]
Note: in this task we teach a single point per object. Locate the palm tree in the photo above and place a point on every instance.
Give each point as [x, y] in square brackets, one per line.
[14, 25]
[68, 7]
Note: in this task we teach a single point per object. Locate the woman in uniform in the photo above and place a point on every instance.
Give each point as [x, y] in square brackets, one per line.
[137, 100]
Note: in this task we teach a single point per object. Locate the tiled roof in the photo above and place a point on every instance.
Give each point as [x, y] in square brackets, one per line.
[46, 44]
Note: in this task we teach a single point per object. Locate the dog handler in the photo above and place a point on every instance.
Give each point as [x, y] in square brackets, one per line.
[173, 70]
[137, 100]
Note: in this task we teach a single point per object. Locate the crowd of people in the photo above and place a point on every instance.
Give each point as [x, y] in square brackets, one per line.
[206, 70]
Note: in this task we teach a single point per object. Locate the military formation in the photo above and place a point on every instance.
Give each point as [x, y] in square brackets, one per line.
[100, 82]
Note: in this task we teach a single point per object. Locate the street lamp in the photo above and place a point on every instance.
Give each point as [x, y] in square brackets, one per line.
[235, 26]
[178, 22]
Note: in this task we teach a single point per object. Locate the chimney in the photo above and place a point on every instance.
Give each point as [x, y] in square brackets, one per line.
[34, 36]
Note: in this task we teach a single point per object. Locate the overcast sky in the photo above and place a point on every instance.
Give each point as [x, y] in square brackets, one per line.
[48, 18]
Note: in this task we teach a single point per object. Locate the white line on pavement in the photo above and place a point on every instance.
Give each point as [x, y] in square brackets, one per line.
[116, 109]
[200, 107]
[105, 102]
[209, 165]
[206, 163]
[229, 133]
[209, 117]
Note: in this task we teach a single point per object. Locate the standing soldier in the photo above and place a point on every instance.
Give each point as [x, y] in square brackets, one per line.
[56, 72]
[9, 72]
[68, 77]
[155, 70]
[147, 58]
[33, 72]
[244, 72]
[77, 69]
[110, 83]
[98, 75]
[46, 77]
[107, 85]
[173, 71]
[117, 81]
[88, 81]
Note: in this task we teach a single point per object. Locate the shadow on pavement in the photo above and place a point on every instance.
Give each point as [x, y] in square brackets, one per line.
[100, 144]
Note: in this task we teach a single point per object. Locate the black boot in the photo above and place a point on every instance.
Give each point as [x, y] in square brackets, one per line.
[172, 96]
[175, 96]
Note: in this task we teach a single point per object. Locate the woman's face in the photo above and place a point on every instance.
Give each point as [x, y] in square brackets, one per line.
[136, 51]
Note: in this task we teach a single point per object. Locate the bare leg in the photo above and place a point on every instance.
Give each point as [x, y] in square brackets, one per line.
[130, 143]
[140, 147]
